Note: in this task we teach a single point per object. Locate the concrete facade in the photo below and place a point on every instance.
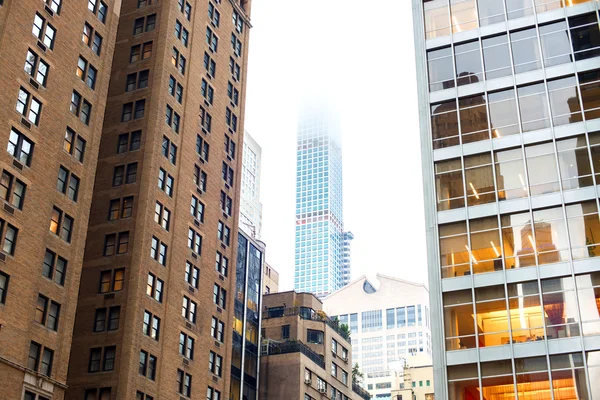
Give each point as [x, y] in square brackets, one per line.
[304, 354]
[165, 207]
[389, 323]
[250, 205]
[270, 280]
[47, 179]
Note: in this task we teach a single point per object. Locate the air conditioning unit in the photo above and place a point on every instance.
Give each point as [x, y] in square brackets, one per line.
[308, 381]
[322, 390]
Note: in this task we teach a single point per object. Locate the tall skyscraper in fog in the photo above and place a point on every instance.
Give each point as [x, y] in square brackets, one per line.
[250, 205]
[319, 208]
[509, 96]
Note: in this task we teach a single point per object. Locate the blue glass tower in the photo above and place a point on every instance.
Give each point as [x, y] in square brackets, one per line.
[319, 207]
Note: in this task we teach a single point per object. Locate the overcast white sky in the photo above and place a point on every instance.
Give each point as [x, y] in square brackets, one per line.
[364, 55]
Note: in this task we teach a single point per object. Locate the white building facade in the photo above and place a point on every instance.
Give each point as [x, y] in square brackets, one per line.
[389, 323]
[250, 205]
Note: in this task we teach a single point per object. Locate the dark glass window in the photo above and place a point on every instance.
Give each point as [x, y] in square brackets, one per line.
[585, 36]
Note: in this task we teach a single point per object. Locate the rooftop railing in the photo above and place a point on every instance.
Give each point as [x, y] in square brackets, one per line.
[361, 392]
[309, 314]
[272, 348]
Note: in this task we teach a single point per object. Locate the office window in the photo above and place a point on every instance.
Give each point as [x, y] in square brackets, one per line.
[44, 31]
[192, 274]
[154, 287]
[585, 36]
[219, 296]
[186, 345]
[194, 241]
[184, 382]
[197, 209]
[29, 106]
[188, 309]
[222, 264]
[151, 325]
[215, 362]
[36, 67]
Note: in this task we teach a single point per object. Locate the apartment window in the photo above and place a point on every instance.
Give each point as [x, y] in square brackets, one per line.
[188, 309]
[120, 208]
[61, 225]
[212, 394]
[67, 183]
[54, 267]
[44, 31]
[36, 67]
[154, 287]
[210, 66]
[112, 280]
[313, 336]
[227, 174]
[144, 3]
[169, 150]
[216, 329]
[234, 68]
[205, 120]
[184, 381]
[334, 369]
[29, 106]
[230, 147]
[151, 325]
[12, 190]
[194, 241]
[4, 278]
[47, 312]
[223, 233]
[236, 45]
[200, 178]
[192, 274]
[212, 40]
[175, 90]
[74, 144]
[226, 204]
[178, 61]
[129, 142]
[215, 363]
[238, 22]
[158, 251]
[81, 108]
[100, 322]
[285, 331]
[133, 110]
[165, 182]
[86, 72]
[147, 365]
[137, 80]
[92, 39]
[202, 148]
[219, 296]
[141, 395]
[207, 92]
[231, 119]
[213, 14]
[186, 345]
[172, 118]
[116, 241]
[162, 216]
[221, 264]
[20, 147]
[131, 175]
[233, 93]
[42, 364]
[197, 209]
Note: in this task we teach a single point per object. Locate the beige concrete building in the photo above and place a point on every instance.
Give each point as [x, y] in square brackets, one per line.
[304, 355]
[416, 384]
[270, 280]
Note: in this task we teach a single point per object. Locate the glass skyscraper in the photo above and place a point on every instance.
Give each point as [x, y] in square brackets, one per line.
[319, 208]
[509, 101]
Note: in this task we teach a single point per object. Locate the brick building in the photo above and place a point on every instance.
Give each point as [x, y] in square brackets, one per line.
[55, 59]
[154, 311]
